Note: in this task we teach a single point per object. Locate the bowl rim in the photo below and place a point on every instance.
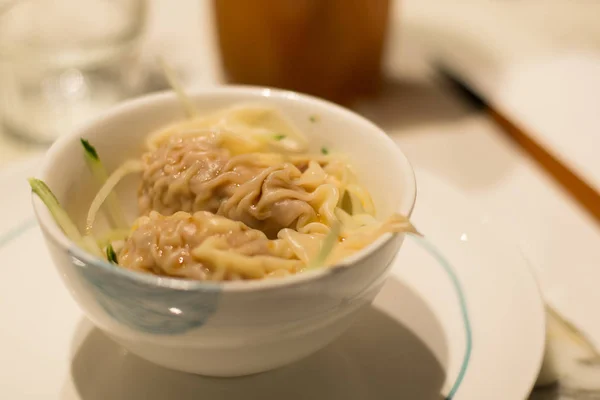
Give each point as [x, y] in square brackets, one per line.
[53, 231]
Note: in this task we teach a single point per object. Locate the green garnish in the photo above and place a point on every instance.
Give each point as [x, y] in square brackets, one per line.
[61, 217]
[279, 137]
[90, 151]
[324, 150]
[111, 255]
[313, 118]
[115, 213]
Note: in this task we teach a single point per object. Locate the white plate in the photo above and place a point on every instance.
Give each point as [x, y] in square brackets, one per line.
[410, 345]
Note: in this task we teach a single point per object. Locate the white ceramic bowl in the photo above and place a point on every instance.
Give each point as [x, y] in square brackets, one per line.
[235, 328]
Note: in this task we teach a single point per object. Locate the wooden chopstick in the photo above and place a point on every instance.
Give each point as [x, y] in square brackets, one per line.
[584, 194]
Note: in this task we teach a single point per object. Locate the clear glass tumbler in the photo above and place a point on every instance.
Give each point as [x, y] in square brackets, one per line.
[62, 61]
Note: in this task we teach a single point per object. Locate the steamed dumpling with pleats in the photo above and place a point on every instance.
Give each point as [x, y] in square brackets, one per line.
[204, 246]
[242, 163]
[175, 175]
[266, 191]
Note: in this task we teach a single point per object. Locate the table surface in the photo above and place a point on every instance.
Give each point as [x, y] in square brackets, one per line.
[442, 134]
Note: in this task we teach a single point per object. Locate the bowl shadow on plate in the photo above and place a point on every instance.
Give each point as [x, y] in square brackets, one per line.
[377, 358]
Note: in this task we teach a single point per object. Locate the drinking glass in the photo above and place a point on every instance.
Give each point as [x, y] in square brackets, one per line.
[62, 61]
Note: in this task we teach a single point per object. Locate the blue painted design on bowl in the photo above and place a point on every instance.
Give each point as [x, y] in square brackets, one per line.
[142, 305]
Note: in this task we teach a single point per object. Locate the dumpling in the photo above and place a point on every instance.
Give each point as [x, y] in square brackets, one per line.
[175, 175]
[204, 246]
[266, 191]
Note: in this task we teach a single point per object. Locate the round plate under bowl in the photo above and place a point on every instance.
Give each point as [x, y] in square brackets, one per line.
[409, 344]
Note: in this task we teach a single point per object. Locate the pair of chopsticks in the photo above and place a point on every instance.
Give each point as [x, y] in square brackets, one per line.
[570, 181]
